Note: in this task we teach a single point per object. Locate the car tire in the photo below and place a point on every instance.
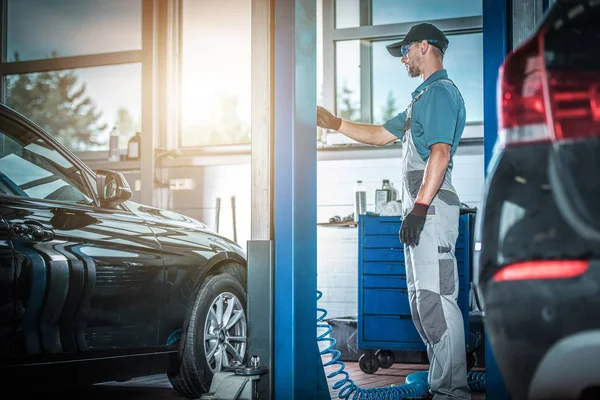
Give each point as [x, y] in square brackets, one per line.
[205, 335]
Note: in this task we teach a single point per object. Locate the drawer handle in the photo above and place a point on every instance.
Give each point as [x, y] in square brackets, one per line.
[404, 290]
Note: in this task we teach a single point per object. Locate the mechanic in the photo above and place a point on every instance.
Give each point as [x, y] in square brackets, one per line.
[429, 130]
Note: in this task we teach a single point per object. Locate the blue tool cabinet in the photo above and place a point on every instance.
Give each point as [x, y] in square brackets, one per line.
[384, 320]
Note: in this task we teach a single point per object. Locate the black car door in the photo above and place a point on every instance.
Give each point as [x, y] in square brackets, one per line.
[87, 279]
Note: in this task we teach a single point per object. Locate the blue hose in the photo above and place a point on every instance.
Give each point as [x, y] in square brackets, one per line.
[174, 337]
[416, 384]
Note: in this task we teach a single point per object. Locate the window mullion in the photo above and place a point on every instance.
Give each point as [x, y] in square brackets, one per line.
[365, 81]
[71, 62]
[329, 73]
[449, 25]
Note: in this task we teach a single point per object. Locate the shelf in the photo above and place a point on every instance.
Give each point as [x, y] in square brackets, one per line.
[347, 224]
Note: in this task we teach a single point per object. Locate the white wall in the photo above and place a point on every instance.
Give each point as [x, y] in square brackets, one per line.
[337, 250]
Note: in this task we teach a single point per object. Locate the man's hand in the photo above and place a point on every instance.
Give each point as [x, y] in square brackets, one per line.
[413, 224]
[327, 120]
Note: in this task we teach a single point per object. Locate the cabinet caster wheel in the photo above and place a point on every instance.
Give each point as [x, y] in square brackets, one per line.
[385, 358]
[368, 363]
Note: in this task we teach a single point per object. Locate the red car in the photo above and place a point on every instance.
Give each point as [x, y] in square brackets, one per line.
[537, 243]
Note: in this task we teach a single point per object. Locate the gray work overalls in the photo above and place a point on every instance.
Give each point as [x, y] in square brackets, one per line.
[432, 275]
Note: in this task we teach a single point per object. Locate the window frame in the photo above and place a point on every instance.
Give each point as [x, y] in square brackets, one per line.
[367, 34]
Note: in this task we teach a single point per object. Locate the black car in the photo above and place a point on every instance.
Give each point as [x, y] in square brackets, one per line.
[538, 236]
[94, 287]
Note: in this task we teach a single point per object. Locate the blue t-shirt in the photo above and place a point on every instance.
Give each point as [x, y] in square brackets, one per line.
[437, 117]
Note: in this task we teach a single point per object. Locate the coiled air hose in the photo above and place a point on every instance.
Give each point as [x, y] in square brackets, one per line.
[415, 384]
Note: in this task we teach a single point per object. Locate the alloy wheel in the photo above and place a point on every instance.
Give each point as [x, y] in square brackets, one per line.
[225, 332]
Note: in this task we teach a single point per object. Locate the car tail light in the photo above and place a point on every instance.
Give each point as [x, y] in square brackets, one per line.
[547, 269]
[537, 105]
[522, 109]
[575, 104]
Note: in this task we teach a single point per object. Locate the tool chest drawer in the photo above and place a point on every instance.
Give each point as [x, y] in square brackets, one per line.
[383, 254]
[388, 328]
[385, 281]
[383, 268]
[382, 225]
[386, 301]
[383, 242]
[384, 320]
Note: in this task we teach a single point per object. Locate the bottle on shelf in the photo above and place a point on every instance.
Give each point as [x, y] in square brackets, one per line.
[383, 195]
[133, 147]
[113, 146]
[395, 193]
[360, 200]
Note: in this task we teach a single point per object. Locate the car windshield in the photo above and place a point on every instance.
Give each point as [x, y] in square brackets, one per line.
[31, 167]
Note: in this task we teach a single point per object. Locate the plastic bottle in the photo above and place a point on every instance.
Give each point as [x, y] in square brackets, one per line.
[113, 146]
[360, 200]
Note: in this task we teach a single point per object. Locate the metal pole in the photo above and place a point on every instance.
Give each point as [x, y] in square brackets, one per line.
[233, 218]
[298, 372]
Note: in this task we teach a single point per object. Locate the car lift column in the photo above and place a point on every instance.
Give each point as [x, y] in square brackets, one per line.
[284, 109]
[298, 369]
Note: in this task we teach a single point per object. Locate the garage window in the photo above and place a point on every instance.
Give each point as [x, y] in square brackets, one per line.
[392, 87]
[394, 11]
[81, 107]
[74, 68]
[215, 73]
[40, 29]
[364, 83]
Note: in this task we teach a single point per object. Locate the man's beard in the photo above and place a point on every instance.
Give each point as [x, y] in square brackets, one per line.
[413, 71]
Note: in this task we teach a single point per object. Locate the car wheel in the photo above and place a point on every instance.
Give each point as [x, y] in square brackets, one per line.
[215, 336]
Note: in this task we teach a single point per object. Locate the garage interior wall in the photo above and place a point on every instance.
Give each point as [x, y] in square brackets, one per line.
[190, 180]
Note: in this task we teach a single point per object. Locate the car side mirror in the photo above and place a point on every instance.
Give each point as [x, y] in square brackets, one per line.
[113, 188]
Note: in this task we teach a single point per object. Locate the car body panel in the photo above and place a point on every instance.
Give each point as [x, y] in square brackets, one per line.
[101, 273]
[7, 305]
[190, 251]
[540, 210]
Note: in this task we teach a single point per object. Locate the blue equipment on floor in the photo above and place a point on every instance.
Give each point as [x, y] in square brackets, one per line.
[415, 385]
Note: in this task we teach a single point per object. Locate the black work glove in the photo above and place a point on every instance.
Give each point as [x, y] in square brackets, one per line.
[413, 224]
[327, 120]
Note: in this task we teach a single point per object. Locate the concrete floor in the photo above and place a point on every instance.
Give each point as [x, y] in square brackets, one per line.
[157, 387]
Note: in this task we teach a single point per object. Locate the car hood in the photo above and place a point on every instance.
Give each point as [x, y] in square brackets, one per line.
[175, 220]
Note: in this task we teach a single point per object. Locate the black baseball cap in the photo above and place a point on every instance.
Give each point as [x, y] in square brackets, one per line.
[424, 31]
